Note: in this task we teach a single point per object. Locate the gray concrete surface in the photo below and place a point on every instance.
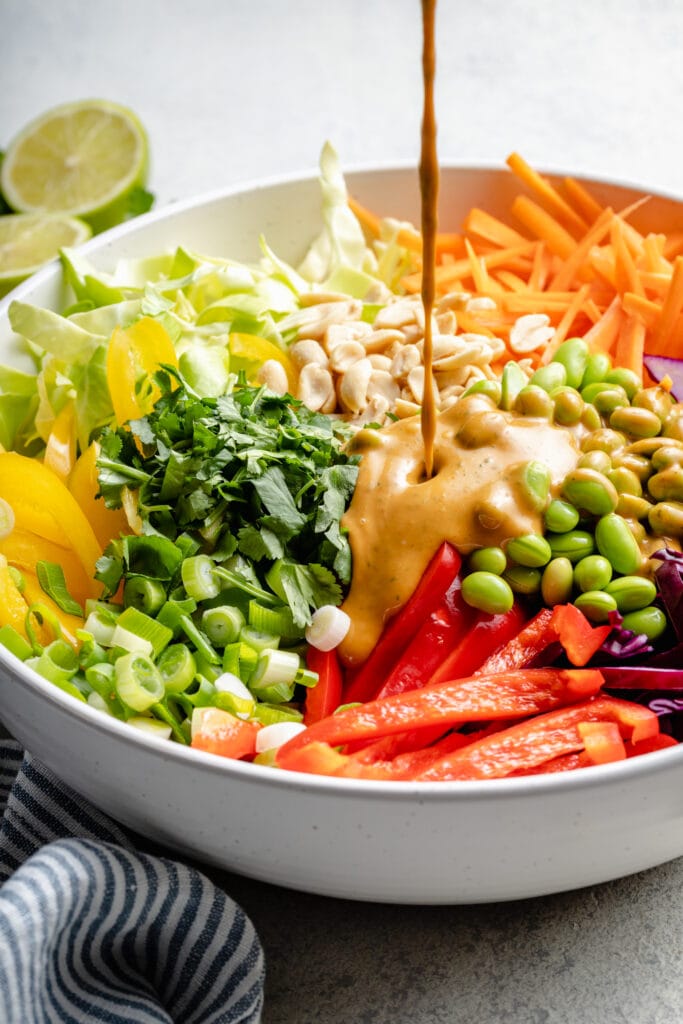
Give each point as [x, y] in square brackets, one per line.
[236, 89]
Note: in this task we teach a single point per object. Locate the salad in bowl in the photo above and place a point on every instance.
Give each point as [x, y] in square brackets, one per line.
[216, 525]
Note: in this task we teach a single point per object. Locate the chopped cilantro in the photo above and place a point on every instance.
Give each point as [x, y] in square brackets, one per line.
[250, 475]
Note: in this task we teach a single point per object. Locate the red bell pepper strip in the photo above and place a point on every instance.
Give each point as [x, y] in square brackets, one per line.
[428, 595]
[477, 698]
[488, 633]
[647, 746]
[602, 741]
[325, 697]
[540, 739]
[564, 624]
[438, 635]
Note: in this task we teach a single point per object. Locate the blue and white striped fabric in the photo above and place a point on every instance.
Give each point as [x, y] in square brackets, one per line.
[92, 930]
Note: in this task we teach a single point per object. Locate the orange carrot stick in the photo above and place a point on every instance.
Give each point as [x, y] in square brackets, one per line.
[673, 304]
[484, 225]
[584, 203]
[626, 275]
[603, 335]
[543, 226]
[572, 266]
[549, 196]
[630, 345]
[645, 309]
[562, 329]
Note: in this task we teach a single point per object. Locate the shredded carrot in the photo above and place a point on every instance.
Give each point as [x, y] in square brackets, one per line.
[561, 253]
[550, 197]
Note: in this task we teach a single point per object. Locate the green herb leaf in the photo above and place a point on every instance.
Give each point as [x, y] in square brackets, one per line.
[53, 582]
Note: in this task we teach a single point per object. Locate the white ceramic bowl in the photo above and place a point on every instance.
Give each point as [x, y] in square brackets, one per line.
[394, 842]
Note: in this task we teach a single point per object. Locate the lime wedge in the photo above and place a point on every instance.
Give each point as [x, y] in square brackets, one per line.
[82, 158]
[27, 240]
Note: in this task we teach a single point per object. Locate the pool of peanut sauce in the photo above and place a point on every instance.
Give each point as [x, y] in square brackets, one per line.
[398, 518]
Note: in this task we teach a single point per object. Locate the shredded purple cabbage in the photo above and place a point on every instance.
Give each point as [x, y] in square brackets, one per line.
[669, 577]
[667, 366]
[622, 643]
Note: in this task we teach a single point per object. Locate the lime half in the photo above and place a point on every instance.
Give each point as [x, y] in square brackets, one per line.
[82, 159]
[27, 240]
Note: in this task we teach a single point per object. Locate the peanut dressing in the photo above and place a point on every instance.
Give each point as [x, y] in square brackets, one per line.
[398, 517]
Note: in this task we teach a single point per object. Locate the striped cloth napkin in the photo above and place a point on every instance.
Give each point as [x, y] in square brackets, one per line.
[91, 929]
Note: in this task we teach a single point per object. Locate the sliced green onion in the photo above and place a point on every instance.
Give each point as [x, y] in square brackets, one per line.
[172, 615]
[53, 582]
[231, 659]
[135, 631]
[138, 681]
[305, 677]
[90, 652]
[329, 625]
[100, 704]
[100, 627]
[164, 714]
[232, 695]
[101, 678]
[222, 624]
[270, 714]
[275, 667]
[6, 519]
[55, 677]
[187, 544]
[272, 736]
[278, 621]
[208, 669]
[178, 668]
[105, 607]
[15, 642]
[258, 640]
[146, 595]
[200, 577]
[202, 696]
[151, 726]
[57, 662]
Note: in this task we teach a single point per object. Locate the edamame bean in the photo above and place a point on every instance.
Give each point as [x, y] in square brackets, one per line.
[667, 485]
[632, 506]
[626, 379]
[568, 406]
[560, 516]
[656, 399]
[592, 573]
[598, 460]
[615, 541]
[673, 424]
[598, 366]
[489, 559]
[605, 440]
[530, 550]
[596, 605]
[590, 492]
[666, 518]
[631, 592]
[649, 621]
[523, 579]
[665, 457]
[487, 592]
[635, 421]
[624, 480]
[647, 446]
[573, 354]
[481, 429]
[512, 380]
[638, 464]
[534, 401]
[590, 418]
[609, 399]
[490, 388]
[574, 545]
[589, 392]
[549, 377]
[557, 582]
[533, 480]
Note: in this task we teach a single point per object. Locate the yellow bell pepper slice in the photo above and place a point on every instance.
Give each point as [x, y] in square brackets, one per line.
[43, 505]
[107, 523]
[60, 451]
[34, 594]
[13, 607]
[23, 550]
[133, 355]
[249, 352]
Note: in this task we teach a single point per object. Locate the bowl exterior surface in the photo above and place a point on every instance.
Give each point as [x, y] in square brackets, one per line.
[384, 842]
